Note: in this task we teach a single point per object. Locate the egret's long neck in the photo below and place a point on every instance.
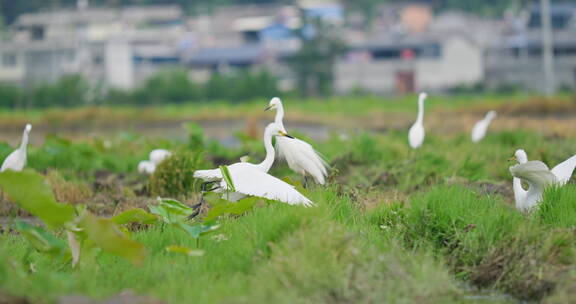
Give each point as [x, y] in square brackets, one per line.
[266, 164]
[519, 192]
[420, 110]
[24, 143]
[280, 116]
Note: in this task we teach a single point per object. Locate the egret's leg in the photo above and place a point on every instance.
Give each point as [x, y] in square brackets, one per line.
[305, 185]
[198, 206]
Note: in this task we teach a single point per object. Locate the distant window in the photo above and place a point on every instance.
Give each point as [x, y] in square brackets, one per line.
[37, 32]
[97, 59]
[9, 60]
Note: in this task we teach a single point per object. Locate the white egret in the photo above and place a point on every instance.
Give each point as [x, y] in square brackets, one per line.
[416, 133]
[480, 128]
[561, 174]
[519, 192]
[300, 155]
[158, 155]
[146, 167]
[253, 180]
[155, 157]
[538, 177]
[17, 159]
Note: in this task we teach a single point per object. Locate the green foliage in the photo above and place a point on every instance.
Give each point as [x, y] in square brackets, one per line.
[171, 211]
[69, 91]
[558, 208]
[10, 96]
[107, 236]
[170, 86]
[174, 213]
[42, 240]
[227, 178]
[219, 207]
[174, 176]
[136, 215]
[314, 63]
[241, 86]
[29, 190]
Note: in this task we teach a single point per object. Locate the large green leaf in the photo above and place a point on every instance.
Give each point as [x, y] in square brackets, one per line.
[171, 211]
[136, 215]
[197, 230]
[227, 178]
[29, 190]
[108, 236]
[223, 207]
[42, 240]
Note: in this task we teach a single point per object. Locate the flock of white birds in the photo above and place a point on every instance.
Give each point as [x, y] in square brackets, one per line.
[250, 179]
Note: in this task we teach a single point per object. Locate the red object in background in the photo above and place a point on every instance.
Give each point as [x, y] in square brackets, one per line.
[407, 54]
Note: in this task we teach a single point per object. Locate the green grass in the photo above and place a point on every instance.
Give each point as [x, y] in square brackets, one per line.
[393, 226]
[276, 253]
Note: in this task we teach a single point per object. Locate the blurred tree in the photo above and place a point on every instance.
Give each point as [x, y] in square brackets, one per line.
[313, 64]
[69, 91]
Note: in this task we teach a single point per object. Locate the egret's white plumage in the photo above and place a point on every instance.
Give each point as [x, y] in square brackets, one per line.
[146, 167]
[158, 155]
[253, 179]
[537, 175]
[559, 175]
[519, 192]
[300, 155]
[563, 171]
[480, 128]
[17, 159]
[417, 133]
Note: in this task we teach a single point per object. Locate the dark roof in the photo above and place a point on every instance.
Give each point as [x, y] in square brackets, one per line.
[232, 55]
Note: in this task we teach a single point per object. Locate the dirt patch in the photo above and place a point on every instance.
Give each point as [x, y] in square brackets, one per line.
[127, 297]
[8, 299]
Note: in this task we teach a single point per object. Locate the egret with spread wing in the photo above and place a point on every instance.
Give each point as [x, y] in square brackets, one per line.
[417, 133]
[253, 179]
[300, 155]
[538, 177]
[17, 159]
[559, 175]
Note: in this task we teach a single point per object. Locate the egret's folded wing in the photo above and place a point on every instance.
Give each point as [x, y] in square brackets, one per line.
[300, 155]
[563, 171]
[208, 175]
[535, 172]
[257, 183]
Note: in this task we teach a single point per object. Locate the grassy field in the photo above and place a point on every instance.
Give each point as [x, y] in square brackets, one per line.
[393, 225]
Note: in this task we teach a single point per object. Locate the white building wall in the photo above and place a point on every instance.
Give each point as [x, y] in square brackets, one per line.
[460, 64]
[119, 65]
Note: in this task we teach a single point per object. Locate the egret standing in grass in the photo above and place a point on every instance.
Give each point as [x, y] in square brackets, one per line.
[146, 167]
[155, 157]
[158, 155]
[480, 128]
[17, 159]
[538, 176]
[416, 133]
[253, 180]
[300, 155]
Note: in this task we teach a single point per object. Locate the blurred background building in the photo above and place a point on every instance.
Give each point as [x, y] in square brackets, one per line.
[404, 48]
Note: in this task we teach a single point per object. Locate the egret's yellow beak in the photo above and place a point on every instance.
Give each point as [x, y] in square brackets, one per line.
[513, 158]
[285, 134]
[268, 108]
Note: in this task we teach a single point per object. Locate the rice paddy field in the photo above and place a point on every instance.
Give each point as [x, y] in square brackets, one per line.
[392, 224]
